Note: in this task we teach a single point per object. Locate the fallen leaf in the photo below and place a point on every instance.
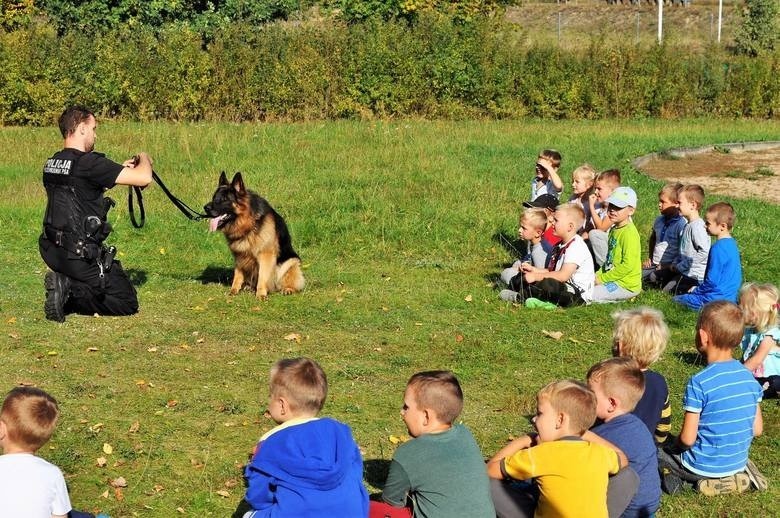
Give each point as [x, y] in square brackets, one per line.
[574, 340]
[196, 463]
[468, 298]
[95, 428]
[134, 427]
[171, 403]
[223, 493]
[339, 299]
[458, 338]
[107, 448]
[118, 494]
[231, 482]
[92, 349]
[398, 439]
[157, 488]
[180, 509]
[200, 340]
[119, 482]
[152, 350]
[52, 353]
[13, 335]
[162, 251]
[140, 383]
[555, 335]
[293, 337]
[11, 320]
[101, 462]
[104, 494]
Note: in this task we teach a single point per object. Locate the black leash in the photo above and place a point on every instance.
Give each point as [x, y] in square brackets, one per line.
[191, 214]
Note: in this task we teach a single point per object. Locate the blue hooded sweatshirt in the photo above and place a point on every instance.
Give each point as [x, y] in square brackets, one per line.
[309, 469]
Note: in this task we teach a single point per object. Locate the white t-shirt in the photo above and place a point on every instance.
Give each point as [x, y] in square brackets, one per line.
[584, 276]
[30, 487]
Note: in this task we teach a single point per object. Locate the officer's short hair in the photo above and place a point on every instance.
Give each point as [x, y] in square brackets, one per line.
[72, 117]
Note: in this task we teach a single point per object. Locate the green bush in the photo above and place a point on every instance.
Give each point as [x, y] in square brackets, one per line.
[760, 28]
[435, 66]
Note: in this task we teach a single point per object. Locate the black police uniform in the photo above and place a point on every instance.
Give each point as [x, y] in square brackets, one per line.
[74, 228]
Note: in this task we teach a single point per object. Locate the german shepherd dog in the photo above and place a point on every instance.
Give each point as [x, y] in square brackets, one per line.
[258, 237]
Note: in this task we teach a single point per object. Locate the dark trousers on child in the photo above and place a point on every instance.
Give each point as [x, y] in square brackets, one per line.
[549, 290]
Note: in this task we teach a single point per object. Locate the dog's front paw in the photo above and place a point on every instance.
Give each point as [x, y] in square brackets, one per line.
[233, 291]
[262, 295]
[287, 291]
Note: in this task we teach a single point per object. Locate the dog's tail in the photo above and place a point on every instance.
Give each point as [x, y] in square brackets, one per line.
[289, 277]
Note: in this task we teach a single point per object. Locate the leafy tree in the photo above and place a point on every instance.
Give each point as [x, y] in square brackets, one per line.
[760, 29]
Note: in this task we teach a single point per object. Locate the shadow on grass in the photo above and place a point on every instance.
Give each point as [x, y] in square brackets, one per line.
[691, 358]
[375, 471]
[243, 507]
[216, 275]
[511, 244]
[137, 277]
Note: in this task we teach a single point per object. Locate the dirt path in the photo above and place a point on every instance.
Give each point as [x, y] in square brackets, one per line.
[749, 172]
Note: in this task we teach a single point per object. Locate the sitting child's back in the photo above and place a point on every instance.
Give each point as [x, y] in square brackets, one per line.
[30, 487]
[306, 466]
[441, 470]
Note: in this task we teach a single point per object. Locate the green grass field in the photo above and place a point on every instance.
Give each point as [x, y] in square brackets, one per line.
[395, 224]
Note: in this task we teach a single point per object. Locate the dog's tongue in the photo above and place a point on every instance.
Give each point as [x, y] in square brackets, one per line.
[214, 222]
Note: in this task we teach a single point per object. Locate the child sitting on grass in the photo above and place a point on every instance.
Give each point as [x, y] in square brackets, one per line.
[642, 334]
[760, 343]
[606, 182]
[549, 203]
[664, 241]
[689, 267]
[569, 465]
[620, 277]
[533, 223]
[546, 179]
[582, 187]
[618, 384]
[568, 278]
[30, 487]
[723, 275]
[722, 413]
[440, 473]
[305, 466]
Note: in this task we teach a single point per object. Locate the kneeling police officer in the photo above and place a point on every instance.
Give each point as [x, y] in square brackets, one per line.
[84, 277]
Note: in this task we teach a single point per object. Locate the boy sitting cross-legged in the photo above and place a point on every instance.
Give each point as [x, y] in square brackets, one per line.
[305, 466]
[620, 276]
[722, 412]
[618, 384]
[533, 222]
[568, 278]
[569, 465]
[440, 472]
[723, 275]
[664, 240]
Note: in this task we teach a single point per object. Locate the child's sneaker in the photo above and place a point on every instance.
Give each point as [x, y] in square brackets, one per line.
[757, 480]
[508, 295]
[737, 483]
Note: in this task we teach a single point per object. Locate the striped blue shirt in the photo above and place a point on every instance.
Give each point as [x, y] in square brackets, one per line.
[726, 396]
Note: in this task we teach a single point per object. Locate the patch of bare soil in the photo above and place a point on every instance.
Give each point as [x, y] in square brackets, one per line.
[735, 172]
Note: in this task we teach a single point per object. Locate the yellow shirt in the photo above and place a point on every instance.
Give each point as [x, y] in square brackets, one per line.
[572, 476]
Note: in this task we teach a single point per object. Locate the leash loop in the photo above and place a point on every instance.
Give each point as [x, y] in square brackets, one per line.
[188, 211]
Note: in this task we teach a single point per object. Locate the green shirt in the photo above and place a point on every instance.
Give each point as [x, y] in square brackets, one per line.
[444, 474]
[623, 264]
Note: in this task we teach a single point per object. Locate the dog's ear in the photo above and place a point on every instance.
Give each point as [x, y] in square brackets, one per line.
[238, 183]
[223, 179]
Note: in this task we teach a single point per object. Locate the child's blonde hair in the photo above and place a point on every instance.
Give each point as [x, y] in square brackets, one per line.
[672, 191]
[693, 193]
[301, 381]
[619, 378]
[724, 213]
[574, 211]
[724, 322]
[30, 415]
[552, 155]
[574, 399]
[762, 301]
[536, 217]
[610, 176]
[439, 391]
[642, 334]
[584, 172]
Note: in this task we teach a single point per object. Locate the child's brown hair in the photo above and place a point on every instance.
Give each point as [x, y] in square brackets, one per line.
[574, 399]
[723, 213]
[671, 191]
[610, 176]
[30, 415]
[620, 378]
[553, 156]
[693, 193]
[301, 381]
[724, 323]
[439, 391]
[642, 334]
